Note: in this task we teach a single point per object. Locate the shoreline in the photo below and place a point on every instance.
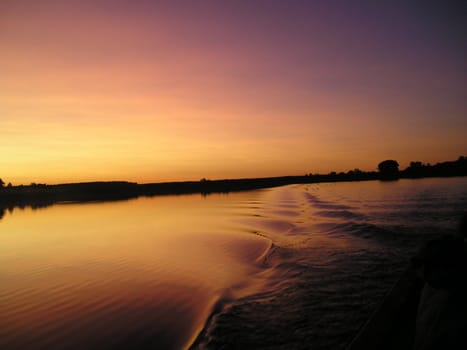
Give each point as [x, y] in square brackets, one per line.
[42, 195]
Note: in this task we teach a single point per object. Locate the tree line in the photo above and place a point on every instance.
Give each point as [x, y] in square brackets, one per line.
[387, 170]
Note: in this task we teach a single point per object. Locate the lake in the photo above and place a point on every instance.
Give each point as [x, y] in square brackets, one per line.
[293, 267]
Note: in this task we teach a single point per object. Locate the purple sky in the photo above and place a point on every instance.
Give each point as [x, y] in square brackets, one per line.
[162, 90]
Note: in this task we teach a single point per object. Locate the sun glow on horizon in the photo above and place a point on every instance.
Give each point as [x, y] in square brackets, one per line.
[147, 92]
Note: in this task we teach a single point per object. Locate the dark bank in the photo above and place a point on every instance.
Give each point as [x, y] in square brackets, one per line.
[40, 195]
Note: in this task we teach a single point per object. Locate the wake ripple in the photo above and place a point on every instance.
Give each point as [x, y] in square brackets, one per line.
[335, 256]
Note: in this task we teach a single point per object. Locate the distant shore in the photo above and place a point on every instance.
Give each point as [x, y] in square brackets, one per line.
[41, 195]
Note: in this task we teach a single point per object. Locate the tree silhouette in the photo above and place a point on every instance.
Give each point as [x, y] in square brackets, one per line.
[388, 170]
[2, 183]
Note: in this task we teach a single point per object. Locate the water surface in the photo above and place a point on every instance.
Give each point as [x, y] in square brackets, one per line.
[298, 266]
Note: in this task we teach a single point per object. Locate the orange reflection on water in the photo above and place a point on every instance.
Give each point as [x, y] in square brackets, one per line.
[145, 272]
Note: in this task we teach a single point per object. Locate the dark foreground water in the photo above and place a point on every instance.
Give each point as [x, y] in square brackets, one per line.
[295, 267]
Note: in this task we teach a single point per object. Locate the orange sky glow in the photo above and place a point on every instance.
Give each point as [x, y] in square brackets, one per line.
[165, 91]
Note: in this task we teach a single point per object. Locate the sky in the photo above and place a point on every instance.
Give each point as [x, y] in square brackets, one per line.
[151, 91]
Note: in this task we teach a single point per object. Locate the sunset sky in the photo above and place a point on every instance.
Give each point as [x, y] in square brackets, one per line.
[151, 91]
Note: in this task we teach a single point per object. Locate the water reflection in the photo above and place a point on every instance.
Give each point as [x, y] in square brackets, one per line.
[143, 273]
[252, 269]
